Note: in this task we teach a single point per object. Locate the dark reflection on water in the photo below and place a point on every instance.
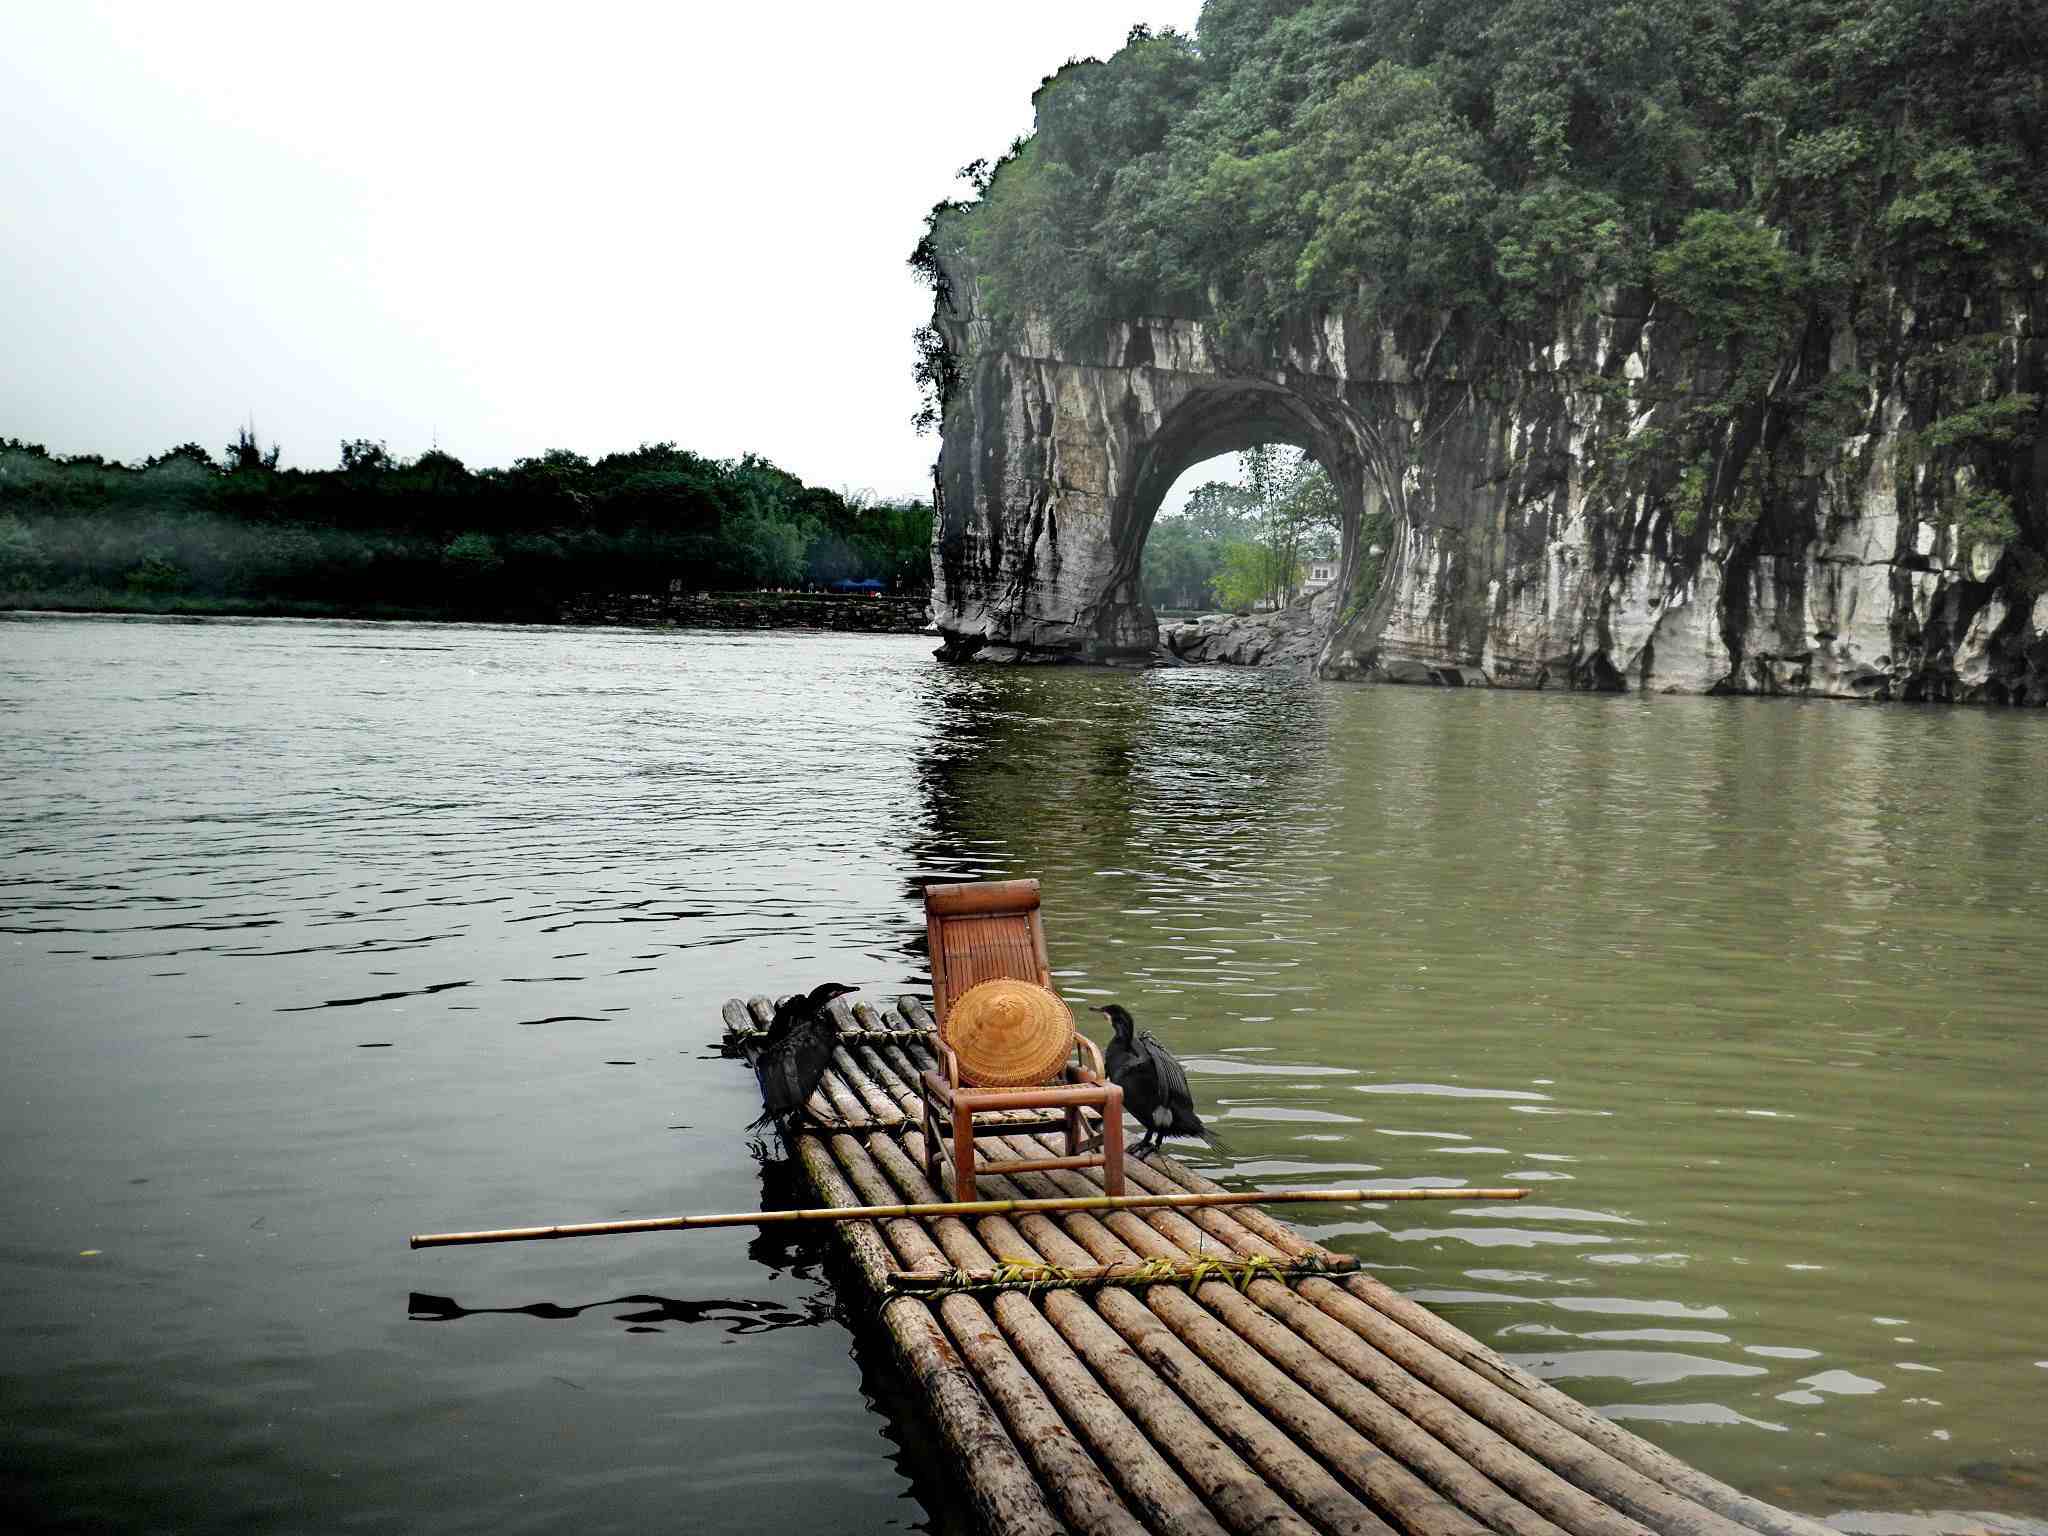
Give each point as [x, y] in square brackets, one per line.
[1749, 991]
[737, 1315]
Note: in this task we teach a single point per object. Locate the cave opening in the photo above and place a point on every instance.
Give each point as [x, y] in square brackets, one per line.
[1252, 501]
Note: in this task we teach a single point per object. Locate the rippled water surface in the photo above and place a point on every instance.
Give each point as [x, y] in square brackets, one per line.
[316, 935]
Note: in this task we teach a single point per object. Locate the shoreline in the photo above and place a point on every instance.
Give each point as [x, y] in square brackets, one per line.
[818, 612]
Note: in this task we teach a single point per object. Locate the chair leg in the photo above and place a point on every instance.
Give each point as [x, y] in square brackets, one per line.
[1113, 1143]
[1073, 1130]
[963, 1153]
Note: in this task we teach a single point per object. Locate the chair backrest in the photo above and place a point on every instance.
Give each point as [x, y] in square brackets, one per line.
[979, 932]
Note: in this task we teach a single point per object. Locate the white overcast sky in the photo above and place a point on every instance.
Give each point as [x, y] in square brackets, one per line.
[504, 227]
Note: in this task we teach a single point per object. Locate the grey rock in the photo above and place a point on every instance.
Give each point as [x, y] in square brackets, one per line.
[1510, 563]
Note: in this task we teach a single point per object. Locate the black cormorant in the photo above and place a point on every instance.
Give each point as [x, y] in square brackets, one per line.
[1155, 1088]
[796, 1048]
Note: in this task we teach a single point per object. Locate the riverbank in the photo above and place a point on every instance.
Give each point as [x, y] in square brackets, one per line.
[872, 615]
[864, 614]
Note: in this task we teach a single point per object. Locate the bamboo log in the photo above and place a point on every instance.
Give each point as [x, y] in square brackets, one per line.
[1434, 1352]
[1622, 1444]
[1413, 1422]
[1614, 1481]
[1263, 1441]
[1535, 1502]
[1205, 1322]
[738, 1022]
[1096, 1202]
[1214, 1434]
[1005, 1494]
[1513, 1447]
[1075, 1479]
[887, 1084]
[865, 1049]
[1382, 1375]
[882, 1110]
[751, 1033]
[847, 1109]
[1477, 1443]
[1391, 1487]
[1377, 1450]
[1156, 1486]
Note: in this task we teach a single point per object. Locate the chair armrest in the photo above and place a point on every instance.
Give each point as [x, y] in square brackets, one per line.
[949, 1061]
[1091, 1068]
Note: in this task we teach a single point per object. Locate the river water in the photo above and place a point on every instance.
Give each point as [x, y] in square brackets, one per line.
[319, 934]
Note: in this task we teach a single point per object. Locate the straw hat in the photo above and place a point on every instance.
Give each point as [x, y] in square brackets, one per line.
[1009, 1034]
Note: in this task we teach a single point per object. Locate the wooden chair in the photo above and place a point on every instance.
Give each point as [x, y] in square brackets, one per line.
[979, 933]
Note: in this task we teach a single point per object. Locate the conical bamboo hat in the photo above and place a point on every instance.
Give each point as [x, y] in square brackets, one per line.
[1009, 1034]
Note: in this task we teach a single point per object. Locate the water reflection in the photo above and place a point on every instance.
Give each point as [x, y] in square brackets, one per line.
[736, 1315]
[331, 946]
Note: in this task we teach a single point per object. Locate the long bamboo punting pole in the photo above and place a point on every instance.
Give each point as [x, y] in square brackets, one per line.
[958, 1208]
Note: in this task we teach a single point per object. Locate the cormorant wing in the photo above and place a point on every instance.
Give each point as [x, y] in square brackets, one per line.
[787, 1012]
[1173, 1080]
[789, 1068]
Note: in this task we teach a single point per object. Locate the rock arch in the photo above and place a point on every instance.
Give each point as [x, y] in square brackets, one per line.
[1054, 466]
[1510, 563]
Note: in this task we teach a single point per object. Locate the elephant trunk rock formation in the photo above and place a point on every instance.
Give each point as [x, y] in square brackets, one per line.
[1526, 550]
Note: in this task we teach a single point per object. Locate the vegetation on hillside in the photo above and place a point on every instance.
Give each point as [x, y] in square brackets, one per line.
[379, 534]
[1824, 196]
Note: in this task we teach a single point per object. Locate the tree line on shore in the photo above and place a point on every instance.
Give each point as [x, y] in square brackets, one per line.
[191, 530]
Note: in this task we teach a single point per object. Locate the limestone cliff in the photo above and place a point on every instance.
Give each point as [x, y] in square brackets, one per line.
[1535, 542]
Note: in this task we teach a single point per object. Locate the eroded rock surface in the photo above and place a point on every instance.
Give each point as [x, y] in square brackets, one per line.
[1293, 636]
[1519, 557]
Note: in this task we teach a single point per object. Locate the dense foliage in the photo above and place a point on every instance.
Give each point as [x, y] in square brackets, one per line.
[1244, 545]
[1773, 175]
[1504, 153]
[377, 533]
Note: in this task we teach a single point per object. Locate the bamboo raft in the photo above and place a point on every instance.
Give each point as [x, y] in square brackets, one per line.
[1200, 1370]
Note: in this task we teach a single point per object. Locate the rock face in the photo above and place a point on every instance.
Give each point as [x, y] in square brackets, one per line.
[1293, 636]
[1520, 555]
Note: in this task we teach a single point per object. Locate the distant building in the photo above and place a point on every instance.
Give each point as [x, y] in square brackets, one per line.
[1320, 574]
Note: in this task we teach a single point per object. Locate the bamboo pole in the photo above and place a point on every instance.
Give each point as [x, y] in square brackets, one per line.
[952, 1208]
